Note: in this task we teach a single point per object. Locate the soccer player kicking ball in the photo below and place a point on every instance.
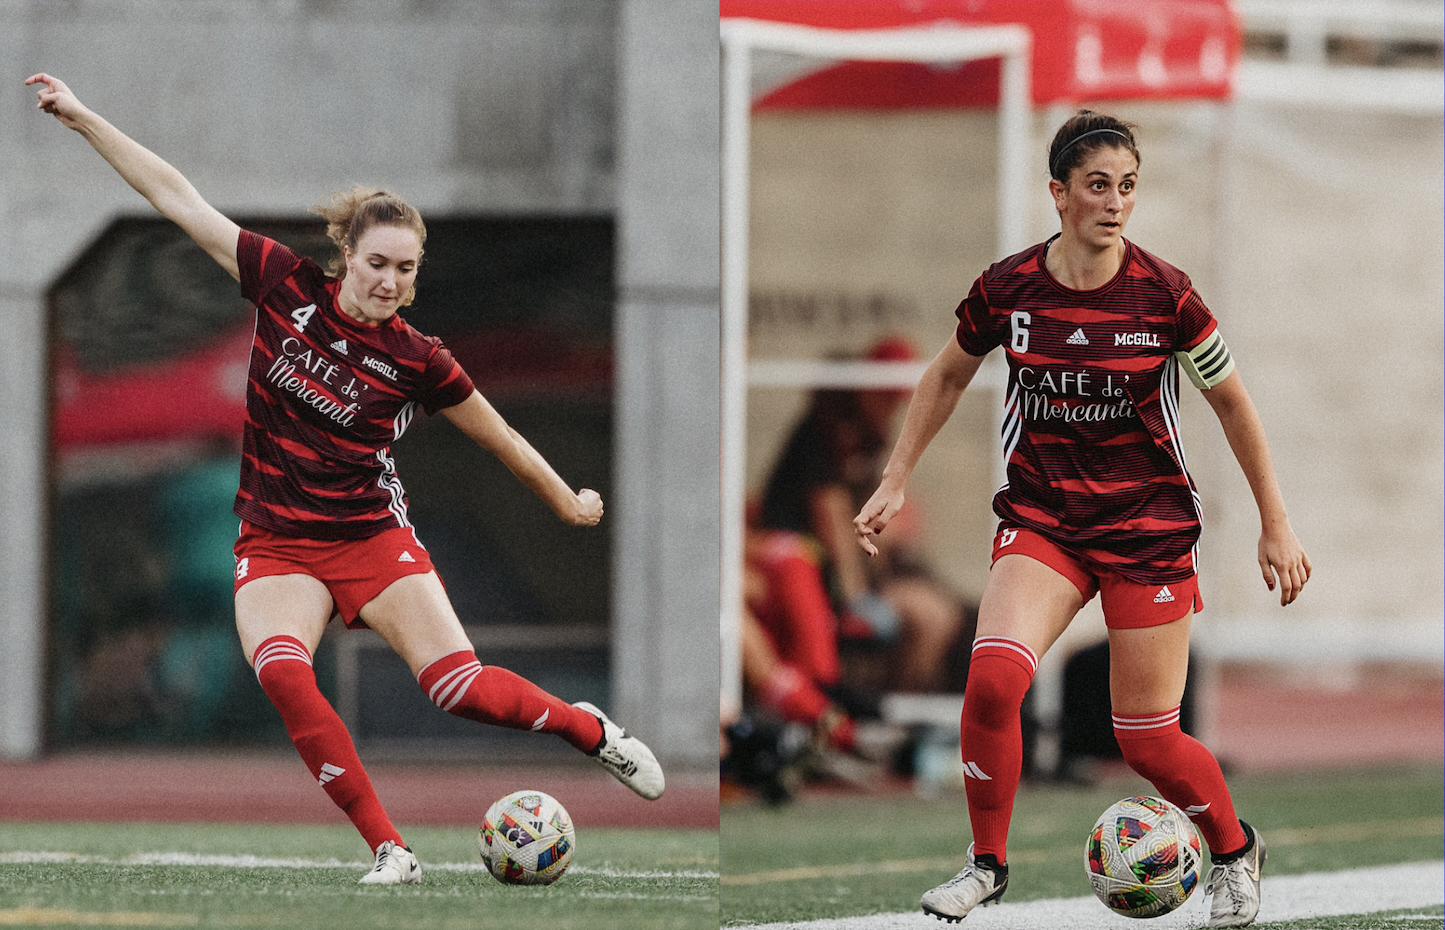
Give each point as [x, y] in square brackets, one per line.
[1097, 501]
[335, 377]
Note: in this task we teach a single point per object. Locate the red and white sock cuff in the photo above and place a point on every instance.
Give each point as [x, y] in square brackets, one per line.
[1146, 725]
[447, 679]
[278, 648]
[1005, 648]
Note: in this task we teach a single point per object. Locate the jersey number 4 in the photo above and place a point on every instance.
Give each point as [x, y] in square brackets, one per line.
[302, 316]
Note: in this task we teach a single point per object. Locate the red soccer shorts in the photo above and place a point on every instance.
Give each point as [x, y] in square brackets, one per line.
[1127, 604]
[354, 570]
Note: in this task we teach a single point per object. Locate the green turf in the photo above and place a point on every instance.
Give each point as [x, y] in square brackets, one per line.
[1415, 918]
[877, 854]
[619, 879]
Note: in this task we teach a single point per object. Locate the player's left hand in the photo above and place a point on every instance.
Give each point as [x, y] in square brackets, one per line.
[1282, 560]
[589, 508]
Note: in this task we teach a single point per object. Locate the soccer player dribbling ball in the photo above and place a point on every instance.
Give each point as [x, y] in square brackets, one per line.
[1097, 500]
[335, 377]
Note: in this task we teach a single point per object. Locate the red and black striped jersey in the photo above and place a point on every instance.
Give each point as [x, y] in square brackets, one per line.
[1091, 421]
[326, 398]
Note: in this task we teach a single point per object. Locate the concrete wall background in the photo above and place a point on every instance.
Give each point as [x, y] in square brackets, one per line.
[665, 577]
[268, 105]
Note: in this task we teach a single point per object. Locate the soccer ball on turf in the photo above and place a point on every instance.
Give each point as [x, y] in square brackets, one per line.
[527, 839]
[1143, 857]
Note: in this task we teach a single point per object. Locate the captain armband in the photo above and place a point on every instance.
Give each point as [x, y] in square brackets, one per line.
[1208, 363]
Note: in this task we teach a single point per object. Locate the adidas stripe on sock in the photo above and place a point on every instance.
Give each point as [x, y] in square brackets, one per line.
[1184, 772]
[283, 667]
[461, 685]
[991, 733]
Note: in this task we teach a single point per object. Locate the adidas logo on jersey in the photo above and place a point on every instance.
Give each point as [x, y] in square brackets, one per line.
[328, 772]
[1164, 596]
[340, 346]
[1078, 338]
[406, 557]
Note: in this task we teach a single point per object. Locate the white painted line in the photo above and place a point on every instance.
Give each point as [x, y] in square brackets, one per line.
[257, 862]
[1287, 897]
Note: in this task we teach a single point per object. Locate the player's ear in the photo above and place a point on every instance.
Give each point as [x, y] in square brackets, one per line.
[1059, 191]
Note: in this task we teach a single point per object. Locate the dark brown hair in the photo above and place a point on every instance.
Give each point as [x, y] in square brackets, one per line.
[349, 214]
[1085, 132]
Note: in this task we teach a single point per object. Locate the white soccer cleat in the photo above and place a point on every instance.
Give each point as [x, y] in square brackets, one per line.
[626, 757]
[978, 885]
[395, 865]
[1235, 886]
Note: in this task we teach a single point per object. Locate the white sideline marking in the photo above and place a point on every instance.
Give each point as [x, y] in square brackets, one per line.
[257, 862]
[1287, 897]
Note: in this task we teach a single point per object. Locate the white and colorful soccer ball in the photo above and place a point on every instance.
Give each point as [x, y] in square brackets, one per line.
[1143, 857]
[527, 839]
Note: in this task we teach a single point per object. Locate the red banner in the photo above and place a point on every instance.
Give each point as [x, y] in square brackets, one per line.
[200, 395]
[1083, 50]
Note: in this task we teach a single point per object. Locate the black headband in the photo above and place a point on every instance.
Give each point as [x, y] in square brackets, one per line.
[1054, 168]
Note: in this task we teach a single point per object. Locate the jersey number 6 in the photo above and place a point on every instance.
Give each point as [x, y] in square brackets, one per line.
[1019, 321]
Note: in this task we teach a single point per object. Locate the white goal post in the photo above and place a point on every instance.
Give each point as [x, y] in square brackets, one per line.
[946, 44]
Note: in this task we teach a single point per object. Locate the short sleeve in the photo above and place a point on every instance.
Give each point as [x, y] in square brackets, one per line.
[263, 264]
[1195, 322]
[976, 332]
[444, 382]
[1201, 352]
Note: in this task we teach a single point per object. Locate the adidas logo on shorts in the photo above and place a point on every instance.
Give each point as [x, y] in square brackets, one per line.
[1164, 596]
[406, 557]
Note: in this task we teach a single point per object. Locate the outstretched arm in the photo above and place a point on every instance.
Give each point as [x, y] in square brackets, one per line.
[165, 187]
[933, 402]
[1280, 551]
[479, 420]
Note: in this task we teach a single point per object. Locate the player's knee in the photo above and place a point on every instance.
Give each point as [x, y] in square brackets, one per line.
[995, 691]
[447, 680]
[1151, 745]
[283, 664]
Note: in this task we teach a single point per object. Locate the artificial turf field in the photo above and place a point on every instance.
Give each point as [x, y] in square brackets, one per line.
[837, 856]
[242, 875]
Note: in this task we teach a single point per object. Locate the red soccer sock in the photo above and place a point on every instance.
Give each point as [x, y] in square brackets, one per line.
[789, 693]
[809, 638]
[999, 673]
[461, 685]
[1184, 772]
[283, 667]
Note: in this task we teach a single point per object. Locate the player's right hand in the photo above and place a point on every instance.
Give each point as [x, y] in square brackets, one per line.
[881, 508]
[58, 99]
